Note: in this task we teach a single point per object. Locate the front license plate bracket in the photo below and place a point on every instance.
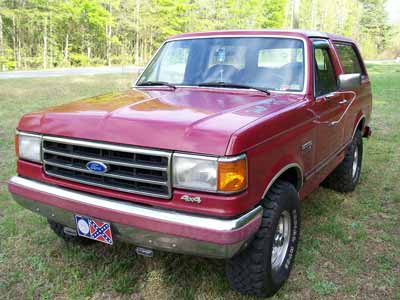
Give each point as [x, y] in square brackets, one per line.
[94, 229]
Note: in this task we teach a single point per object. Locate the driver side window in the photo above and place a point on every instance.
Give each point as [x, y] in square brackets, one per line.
[325, 77]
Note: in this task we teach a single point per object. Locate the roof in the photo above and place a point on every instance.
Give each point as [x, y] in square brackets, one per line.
[285, 32]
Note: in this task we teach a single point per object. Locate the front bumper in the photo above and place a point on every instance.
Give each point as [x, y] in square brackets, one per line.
[145, 226]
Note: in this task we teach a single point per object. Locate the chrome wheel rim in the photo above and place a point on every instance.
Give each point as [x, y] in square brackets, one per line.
[355, 162]
[281, 240]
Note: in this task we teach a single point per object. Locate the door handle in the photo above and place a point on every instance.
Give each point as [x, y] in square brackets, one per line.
[329, 96]
[344, 101]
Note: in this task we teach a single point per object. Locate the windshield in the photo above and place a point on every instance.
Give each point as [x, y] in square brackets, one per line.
[263, 62]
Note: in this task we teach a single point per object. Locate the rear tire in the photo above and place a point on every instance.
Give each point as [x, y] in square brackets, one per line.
[263, 267]
[62, 232]
[347, 175]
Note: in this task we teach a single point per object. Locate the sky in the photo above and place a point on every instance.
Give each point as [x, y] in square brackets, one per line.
[393, 9]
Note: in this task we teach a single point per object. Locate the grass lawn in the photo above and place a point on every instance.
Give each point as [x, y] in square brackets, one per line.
[349, 247]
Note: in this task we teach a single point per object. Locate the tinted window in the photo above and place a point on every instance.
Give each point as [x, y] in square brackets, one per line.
[349, 58]
[272, 63]
[325, 78]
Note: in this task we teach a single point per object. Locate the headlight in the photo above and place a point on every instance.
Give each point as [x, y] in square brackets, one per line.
[28, 146]
[210, 174]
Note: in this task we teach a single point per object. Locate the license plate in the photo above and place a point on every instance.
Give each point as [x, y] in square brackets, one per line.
[94, 229]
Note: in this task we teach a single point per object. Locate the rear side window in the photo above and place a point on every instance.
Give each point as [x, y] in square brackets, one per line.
[349, 58]
[325, 78]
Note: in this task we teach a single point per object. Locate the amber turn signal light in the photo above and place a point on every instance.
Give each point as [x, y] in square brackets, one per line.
[232, 175]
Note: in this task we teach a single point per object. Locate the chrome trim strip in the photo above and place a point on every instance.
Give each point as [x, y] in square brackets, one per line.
[281, 171]
[195, 156]
[211, 158]
[358, 123]
[306, 50]
[232, 158]
[111, 175]
[321, 165]
[185, 219]
[110, 187]
[113, 162]
[106, 146]
[37, 135]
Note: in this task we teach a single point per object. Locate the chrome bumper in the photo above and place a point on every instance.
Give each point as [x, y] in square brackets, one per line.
[141, 225]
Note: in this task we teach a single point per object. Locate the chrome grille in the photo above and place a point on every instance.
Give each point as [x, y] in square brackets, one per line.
[130, 169]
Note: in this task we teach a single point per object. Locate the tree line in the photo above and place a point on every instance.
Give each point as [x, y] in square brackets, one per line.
[59, 33]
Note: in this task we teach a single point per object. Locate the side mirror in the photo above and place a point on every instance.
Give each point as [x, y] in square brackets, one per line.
[349, 81]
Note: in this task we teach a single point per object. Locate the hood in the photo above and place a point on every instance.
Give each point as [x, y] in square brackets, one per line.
[199, 120]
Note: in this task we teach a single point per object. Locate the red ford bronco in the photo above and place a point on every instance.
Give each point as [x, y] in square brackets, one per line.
[210, 153]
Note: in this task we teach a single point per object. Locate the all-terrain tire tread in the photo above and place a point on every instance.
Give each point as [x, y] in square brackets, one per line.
[341, 179]
[245, 272]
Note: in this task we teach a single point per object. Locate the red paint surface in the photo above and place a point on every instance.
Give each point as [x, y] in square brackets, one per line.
[269, 129]
[217, 205]
[186, 119]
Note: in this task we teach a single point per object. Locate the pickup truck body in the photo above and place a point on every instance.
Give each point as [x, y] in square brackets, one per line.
[299, 136]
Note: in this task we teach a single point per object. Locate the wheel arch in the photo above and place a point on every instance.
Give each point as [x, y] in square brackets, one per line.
[292, 173]
[359, 124]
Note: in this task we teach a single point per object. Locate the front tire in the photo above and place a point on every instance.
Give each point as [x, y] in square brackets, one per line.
[263, 267]
[347, 175]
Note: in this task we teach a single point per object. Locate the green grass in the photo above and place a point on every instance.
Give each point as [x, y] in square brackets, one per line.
[349, 247]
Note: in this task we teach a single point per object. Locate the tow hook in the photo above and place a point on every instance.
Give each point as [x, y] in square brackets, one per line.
[144, 252]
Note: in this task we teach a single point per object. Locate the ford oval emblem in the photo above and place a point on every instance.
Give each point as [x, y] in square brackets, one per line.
[97, 166]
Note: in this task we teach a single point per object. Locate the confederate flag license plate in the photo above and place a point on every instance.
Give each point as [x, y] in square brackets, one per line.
[94, 229]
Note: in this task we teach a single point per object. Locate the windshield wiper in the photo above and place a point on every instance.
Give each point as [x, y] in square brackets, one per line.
[234, 85]
[154, 83]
